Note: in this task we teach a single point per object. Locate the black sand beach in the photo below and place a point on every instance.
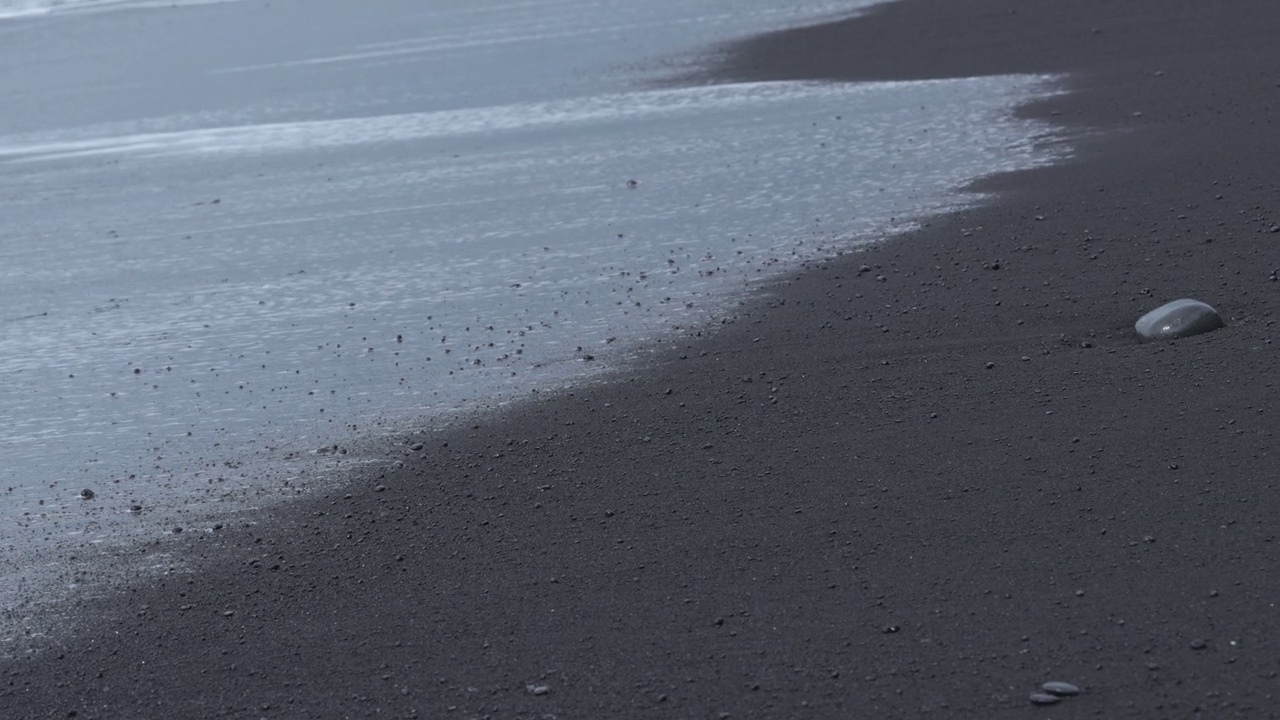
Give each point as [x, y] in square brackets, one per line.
[922, 489]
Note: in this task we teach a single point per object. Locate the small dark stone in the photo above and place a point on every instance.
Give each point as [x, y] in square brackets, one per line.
[135, 508]
[87, 494]
[1199, 644]
[177, 530]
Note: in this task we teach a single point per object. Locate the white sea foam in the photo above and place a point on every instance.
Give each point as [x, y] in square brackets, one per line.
[636, 107]
[28, 8]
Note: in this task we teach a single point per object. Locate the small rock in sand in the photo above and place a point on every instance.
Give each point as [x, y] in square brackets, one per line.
[1057, 687]
[1041, 698]
[87, 494]
[1178, 319]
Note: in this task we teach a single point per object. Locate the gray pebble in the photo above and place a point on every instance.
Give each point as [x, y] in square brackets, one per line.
[538, 689]
[1199, 644]
[87, 494]
[1177, 319]
[1040, 698]
[1057, 687]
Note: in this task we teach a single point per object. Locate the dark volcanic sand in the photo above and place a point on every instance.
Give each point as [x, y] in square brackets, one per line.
[917, 497]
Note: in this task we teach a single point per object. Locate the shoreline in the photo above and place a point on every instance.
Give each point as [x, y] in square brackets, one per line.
[931, 492]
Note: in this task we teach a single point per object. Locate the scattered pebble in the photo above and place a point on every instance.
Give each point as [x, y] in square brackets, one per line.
[1043, 698]
[1057, 687]
[1199, 644]
[538, 689]
[87, 494]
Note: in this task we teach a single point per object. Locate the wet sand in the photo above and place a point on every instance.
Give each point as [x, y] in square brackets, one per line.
[917, 480]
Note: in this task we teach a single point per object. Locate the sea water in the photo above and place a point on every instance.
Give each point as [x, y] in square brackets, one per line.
[236, 236]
